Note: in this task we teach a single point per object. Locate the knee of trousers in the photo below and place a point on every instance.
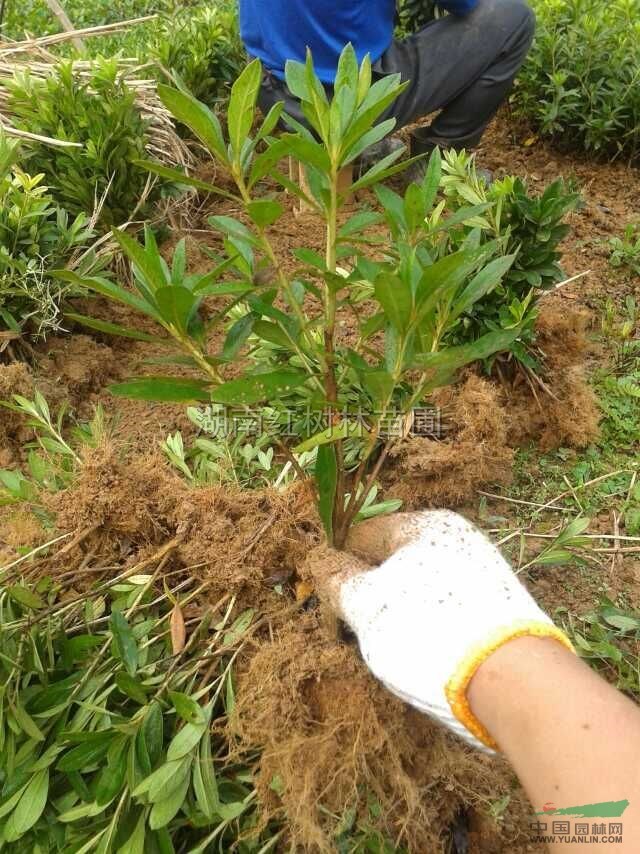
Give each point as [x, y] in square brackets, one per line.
[515, 16]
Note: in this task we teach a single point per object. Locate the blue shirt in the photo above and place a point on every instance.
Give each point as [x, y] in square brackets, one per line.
[277, 30]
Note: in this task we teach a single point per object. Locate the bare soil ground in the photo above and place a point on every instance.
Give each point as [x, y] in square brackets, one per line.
[326, 729]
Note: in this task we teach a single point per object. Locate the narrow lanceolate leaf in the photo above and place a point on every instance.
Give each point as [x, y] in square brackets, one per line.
[396, 300]
[112, 777]
[483, 282]
[178, 630]
[88, 753]
[115, 328]
[179, 178]
[29, 808]
[145, 261]
[205, 785]
[152, 732]
[125, 646]
[242, 105]
[165, 389]
[326, 475]
[456, 357]
[185, 740]
[177, 306]
[344, 430]
[197, 117]
[257, 388]
[163, 811]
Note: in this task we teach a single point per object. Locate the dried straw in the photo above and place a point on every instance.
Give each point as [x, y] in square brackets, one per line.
[31, 56]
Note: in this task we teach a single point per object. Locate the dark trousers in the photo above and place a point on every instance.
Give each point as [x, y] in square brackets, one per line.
[462, 66]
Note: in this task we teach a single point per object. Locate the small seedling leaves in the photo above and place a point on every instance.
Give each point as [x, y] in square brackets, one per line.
[25, 597]
[326, 476]
[257, 388]
[188, 709]
[265, 212]
[242, 105]
[29, 808]
[197, 117]
[165, 389]
[124, 643]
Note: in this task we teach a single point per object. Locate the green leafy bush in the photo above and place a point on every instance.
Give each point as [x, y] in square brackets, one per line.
[105, 720]
[99, 112]
[202, 47]
[580, 81]
[530, 227]
[412, 15]
[357, 389]
[36, 237]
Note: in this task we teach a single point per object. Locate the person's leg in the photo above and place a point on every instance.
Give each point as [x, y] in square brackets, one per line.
[462, 66]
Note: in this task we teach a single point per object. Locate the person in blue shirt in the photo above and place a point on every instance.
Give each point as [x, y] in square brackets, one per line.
[462, 65]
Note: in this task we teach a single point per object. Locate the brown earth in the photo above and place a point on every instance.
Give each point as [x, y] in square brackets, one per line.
[327, 730]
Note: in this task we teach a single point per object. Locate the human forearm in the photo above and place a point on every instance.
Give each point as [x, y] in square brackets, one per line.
[571, 738]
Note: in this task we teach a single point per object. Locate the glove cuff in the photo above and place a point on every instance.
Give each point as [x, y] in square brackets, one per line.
[456, 687]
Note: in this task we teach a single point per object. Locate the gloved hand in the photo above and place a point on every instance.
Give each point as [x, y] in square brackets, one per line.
[440, 602]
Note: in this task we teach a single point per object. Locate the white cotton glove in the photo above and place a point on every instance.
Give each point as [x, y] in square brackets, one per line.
[442, 600]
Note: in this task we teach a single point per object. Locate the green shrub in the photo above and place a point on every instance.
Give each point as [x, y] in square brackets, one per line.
[412, 15]
[579, 84]
[530, 227]
[357, 390]
[202, 47]
[36, 237]
[99, 113]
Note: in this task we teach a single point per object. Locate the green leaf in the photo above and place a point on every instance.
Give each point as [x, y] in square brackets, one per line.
[326, 476]
[26, 723]
[166, 389]
[205, 786]
[242, 105]
[431, 180]
[25, 597]
[111, 779]
[272, 333]
[29, 808]
[152, 732]
[131, 687]
[87, 753]
[185, 740]
[238, 335]
[135, 843]
[196, 116]
[180, 178]
[296, 78]
[265, 212]
[483, 282]
[114, 328]
[254, 389]
[344, 430]
[163, 811]
[395, 299]
[188, 709]
[146, 260]
[125, 646]
[177, 306]
[456, 357]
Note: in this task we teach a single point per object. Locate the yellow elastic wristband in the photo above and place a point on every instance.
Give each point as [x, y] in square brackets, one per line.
[456, 687]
